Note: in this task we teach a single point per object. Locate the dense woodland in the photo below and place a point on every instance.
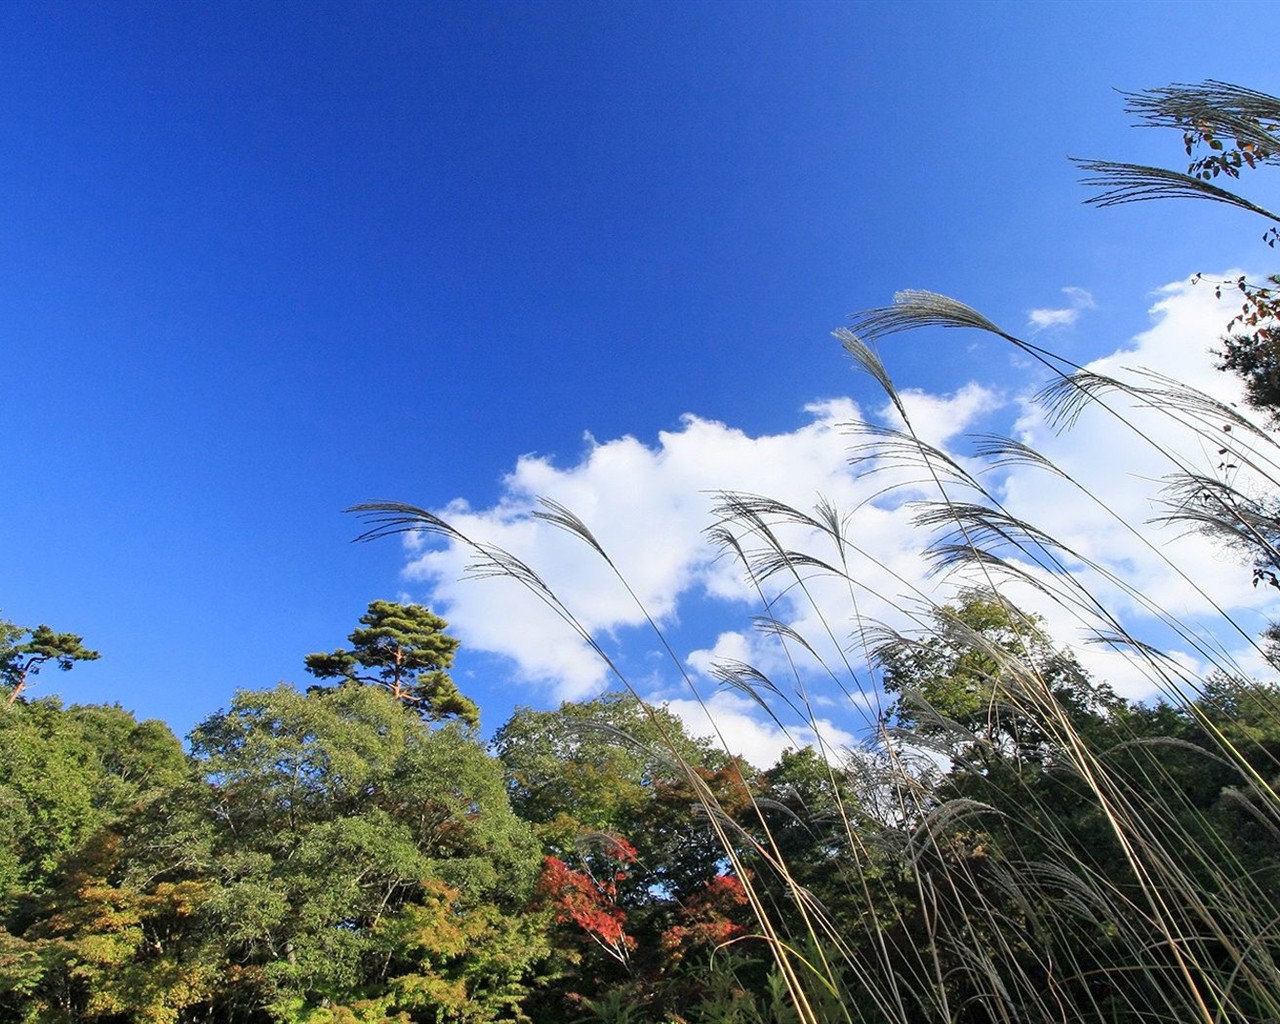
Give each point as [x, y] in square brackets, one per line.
[355, 852]
[1013, 843]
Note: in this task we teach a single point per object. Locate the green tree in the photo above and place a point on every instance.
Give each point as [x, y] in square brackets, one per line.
[813, 809]
[594, 766]
[987, 682]
[70, 779]
[329, 858]
[1063, 814]
[67, 773]
[23, 652]
[615, 791]
[404, 649]
[363, 856]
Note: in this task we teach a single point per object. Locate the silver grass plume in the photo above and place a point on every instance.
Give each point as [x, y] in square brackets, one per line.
[1246, 115]
[1133, 183]
[913, 309]
[888, 448]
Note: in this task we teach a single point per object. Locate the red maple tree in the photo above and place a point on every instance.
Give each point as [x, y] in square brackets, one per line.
[589, 898]
[707, 918]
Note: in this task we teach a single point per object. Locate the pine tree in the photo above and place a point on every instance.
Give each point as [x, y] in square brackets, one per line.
[404, 649]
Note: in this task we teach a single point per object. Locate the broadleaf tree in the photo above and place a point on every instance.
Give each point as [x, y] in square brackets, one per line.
[981, 682]
[328, 858]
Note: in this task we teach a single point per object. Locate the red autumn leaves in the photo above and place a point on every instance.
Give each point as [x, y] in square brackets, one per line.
[590, 899]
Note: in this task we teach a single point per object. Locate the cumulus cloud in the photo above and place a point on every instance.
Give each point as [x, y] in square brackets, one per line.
[649, 507]
[737, 722]
[1063, 316]
[937, 419]
[649, 504]
[1124, 459]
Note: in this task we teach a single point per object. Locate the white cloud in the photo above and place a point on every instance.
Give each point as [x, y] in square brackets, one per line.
[1064, 316]
[1124, 459]
[937, 419]
[1042, 318]
[649, 507]
[736, 720]
[649, 504]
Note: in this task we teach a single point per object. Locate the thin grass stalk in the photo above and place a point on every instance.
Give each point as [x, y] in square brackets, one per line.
[391, 518]
[1103, 793]
[1183, 900]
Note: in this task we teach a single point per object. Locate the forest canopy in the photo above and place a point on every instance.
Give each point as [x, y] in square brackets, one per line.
[335, 855]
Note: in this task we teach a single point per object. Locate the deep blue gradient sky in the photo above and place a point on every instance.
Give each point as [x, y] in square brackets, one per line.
[264, 261]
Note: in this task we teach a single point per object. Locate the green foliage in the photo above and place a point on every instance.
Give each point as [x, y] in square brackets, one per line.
[353, 842]
[592, 766]
[985, 680]
[634, 875]
[403, 648]
[67, 773]
[324, 857]
[21, 659]
[68, 778]
[616, 767]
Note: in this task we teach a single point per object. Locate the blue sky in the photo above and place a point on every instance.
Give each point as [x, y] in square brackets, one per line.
[262, 262]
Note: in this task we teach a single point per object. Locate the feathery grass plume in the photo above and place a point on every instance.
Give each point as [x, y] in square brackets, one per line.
[913, 309]
[885, 449]
[1217, 507]
[866, 358]
[1011, 842]
[1132, 183]
[1195, 405]
[396, 518]
[1189, 935]
[1065, 397]
[1206, 114]
[1245, 115]
[998, 452]
[1189, 897]
[558, 515]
